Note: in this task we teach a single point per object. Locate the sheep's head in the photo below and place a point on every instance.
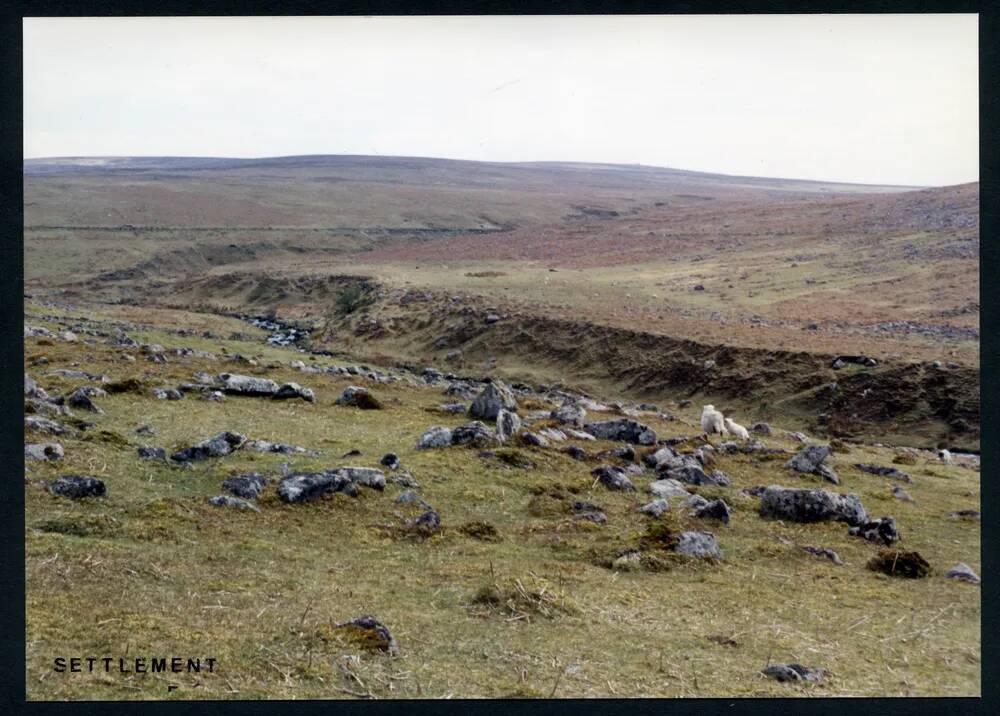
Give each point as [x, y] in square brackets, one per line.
[708, 408]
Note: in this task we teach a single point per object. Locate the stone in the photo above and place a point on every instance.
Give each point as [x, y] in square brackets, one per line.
[278, 448]
[214, 396]
[655, 458]
[145, 430]
[410, 497]
[667, 488]
[44, 451]
[230, 501]
[656, 508]
[216, 446]
[288, 391]
[247, 485]
[792, 672]
[552, 434]
[427, 523]
[435, 437]
[508, 424]
[305, 486]
[614, 478]
[809, 459]
[695, 502]
[696, 476]
[44, 425]
[234, 384]
[494, 397]
[973, 515]
[77, 486]
[575, 452]
[624, 430]
[825, 552]
[358, 397]
[590, 512]
[963, 572]
[151, 453]
[570, 413]
[453, 408]
[698, 544]
[167, 394]
[367, 476]
[390, 460]
[80, 399]
[882, 531]
[892, 472]
[803, 505]
[475, 434]
[900, 494]
[579, 435]
[715, 510]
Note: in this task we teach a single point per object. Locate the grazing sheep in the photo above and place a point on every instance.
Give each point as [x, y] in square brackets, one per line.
[712, 421]
[736, 429]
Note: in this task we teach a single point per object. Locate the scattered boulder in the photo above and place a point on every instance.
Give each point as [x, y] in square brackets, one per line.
[570, 413]
[247, 485]
[234, 384]
[230, 501]
[410, 497]
[614, 478]
[426, 524]
[533, 439]
[152, 453]
[892, 472]
[900, 494]
[656, 508]
[693, 475]
[167, 394]
[900, 564]
[792, 672]
[715, 510]
[825, 552]
[654, 459]
[475, 434]
[494, 397]
[882, 531]
[44, 425]
[367, 476]
[278, 448]
[508, 424]
[668, 488]
[44, 451]
[798, 505]
[435, 437]
[809, 460]
[77, 486]
[288, 391]
[305, 486]
[623, 430]
[80, 399]
[552, 434]
[216, 446]
[590, 512]
[575, 452]
[698, 544]
[963, 572]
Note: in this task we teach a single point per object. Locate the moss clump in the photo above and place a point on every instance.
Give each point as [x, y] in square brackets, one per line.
[657, 537]
[546, 505]
[129, 385]
[108, 437]
[483, 531]
[80, 526]
[905, 459]
[896, 563]
[514, 599]
[839, 446]
[514, 458]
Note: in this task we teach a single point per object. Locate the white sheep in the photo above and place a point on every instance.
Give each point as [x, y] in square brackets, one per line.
[736, 429]
[712, 421]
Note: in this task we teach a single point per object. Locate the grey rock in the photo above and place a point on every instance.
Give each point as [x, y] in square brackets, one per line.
[715, 510]
[214, 396]
[623, 429]
[44, 425]
[614, 478]
[798, 505]
[668, 488]
[792, 672]
[234, 384]
[698, 544]
[80, 399]
[167, 394]
[216, 446]
[429, 521]
[43, 451]
[494, 397]
[570, 414]
[475, 434]
[590, 512]
[900, 494]
[77, 486]
[151, 453]
[696, 476]
[302, 487]
[288, 391]
[453, 408]
[761, 429]
[367, 476]
[892, 472]
[278, 448]
[435, 437]
[410, 497]
[656, 508]
[695, 502]
[963, 572]
[230, 501]
[576, 453]
[881, 531]
[508, 424]
[579, 435]
[825, 552]
[553, 434]
[247, 485]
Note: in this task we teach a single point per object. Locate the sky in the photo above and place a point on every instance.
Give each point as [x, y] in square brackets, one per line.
[882, 99]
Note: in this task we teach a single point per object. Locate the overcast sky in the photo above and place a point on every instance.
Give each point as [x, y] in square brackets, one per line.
[863, 98]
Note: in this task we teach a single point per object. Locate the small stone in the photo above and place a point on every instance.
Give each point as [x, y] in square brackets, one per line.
[230, 501]
[613, 478]
[77, 486]
[152, 453]
[698, 544]
[656, 508]
[963, 572]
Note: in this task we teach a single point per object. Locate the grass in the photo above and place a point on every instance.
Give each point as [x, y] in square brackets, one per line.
[152, 569]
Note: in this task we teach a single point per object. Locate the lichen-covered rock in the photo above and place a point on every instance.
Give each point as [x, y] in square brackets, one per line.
[494, 397]
[288, 391]
[80, 399]
[426, 524]
[151, 453]
[167, 394]
[881, 531]
[614, 478]
[654, 459]
[247, 485]
[696, 476]
[278, 448]
[435, 437]
[246, 385]
[557, 436]
[575, 452]
[230, 501]
[590, 512]
[216, 446]
[624, 430]
[570, 413]
[305, 486]
[802, 505]
[43, 451]
[533, 439]
[656, 508]
[698, 544]
[809, 461]
[44, 425]
[508, 424]
[77, 486]
[715, 510]
[367, 476]
[667, 488]
[475, 434]
[892, 472]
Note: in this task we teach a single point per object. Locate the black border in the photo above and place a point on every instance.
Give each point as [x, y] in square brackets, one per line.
[12, 645]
